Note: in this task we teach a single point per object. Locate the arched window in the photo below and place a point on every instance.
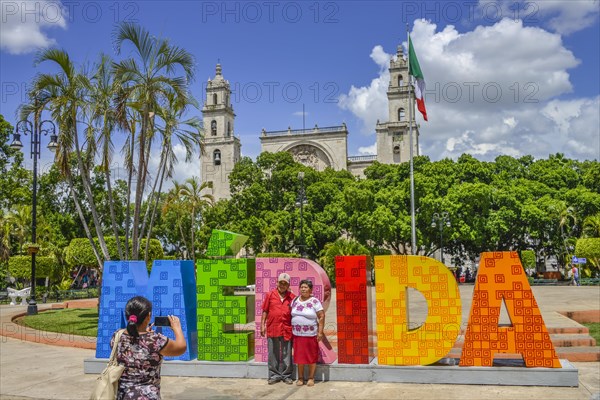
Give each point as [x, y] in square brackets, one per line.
[215, 99]
[213, 128]
[217, 157]
[228, 128]
[400, 81]
[401, 114]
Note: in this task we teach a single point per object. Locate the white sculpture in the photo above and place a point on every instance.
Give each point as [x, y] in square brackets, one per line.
[23, 294]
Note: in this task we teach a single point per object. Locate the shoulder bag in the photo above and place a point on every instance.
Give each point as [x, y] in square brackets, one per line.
[107, 383]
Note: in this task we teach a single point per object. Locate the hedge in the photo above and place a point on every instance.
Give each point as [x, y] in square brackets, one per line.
[528, 259]
[278, 255]
[80, 253]
[589, 248]
[20, 267]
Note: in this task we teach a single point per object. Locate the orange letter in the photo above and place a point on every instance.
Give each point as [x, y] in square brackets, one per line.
[501, 277]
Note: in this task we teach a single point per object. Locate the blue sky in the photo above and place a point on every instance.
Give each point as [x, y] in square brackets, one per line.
[503, 77]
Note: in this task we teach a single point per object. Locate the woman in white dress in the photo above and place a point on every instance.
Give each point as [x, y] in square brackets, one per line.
[308, 320]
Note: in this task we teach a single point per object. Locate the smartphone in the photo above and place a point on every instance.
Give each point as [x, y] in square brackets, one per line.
[162, 321]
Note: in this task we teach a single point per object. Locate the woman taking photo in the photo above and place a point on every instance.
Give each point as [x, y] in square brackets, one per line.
[141, 351]
[308, 319]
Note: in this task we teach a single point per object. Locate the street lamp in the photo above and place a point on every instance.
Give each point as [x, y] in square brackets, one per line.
[35, 129]
[442, 220]
[300, 203]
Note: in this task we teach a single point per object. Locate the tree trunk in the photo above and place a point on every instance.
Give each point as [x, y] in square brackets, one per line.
[113, 218]
[86, 228]
[162, 178]
[88, 192]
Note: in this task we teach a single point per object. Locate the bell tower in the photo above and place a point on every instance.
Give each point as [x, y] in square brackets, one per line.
[222, 150]
[392, 136]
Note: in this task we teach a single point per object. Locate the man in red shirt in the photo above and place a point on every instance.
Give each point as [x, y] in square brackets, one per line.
[276, 325]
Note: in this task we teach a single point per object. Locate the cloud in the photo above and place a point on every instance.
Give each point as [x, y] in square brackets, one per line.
[370, 103]
[490, 91]
[300, 113]
[564, 17]
[368, 150]
[181, 171]
[24, 24]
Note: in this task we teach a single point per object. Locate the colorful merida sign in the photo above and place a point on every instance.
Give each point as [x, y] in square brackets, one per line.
[209, 309]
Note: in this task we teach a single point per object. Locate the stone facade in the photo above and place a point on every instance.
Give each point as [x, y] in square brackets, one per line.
[319, 148]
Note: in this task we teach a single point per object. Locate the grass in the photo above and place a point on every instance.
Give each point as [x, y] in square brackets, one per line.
[594, 331]
[75, 321]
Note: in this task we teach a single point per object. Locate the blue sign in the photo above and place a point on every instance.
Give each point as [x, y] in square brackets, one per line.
[574, 260]
[581, 260]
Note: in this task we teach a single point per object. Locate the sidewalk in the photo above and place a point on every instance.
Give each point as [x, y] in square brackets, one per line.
[41, 371]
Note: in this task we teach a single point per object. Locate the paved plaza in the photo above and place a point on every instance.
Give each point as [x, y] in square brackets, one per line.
[43, 371]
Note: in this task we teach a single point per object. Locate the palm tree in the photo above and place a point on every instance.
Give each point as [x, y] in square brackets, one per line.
[341, 247]
[591, 226]
[146, 79]
[174, 202]
[104, 115]
[66, 94]
[4, 236]
[191, 193]
[189, 133]
[20, 221]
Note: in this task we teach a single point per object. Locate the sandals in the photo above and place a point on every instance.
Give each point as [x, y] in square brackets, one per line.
[300, 382]
[311, 382]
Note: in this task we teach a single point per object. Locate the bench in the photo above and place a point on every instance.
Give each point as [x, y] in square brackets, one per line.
[589, 281]
[14, 294]
[71, 294]
[544, 281]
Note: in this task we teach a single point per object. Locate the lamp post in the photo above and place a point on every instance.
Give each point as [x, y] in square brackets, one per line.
[441, 219]
[300, 203]
[35, 129]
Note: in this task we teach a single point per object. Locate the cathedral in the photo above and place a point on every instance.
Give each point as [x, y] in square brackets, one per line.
[318, 147]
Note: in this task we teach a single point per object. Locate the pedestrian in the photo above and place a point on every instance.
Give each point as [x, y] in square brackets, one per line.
[308, 320]
[575, 271]
[276, 326]
[141, 351]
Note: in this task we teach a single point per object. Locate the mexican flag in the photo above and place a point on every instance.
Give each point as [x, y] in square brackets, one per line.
[415, 70]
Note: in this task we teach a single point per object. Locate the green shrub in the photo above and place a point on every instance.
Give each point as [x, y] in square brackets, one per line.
[341, 247]
[528, 259]
[589, 248]
[20, 267]
[80, 253]
[278, 255]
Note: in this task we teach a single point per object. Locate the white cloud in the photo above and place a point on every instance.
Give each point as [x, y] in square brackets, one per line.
[370, 103]
[23, 25]
[182, 170]
[368, 150]
[300, 113]
[564, 17]
[491, 91]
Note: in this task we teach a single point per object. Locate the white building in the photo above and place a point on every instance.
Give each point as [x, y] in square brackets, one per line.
[318, 147]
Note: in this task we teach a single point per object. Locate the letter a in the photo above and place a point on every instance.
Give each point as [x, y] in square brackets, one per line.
[501, 277]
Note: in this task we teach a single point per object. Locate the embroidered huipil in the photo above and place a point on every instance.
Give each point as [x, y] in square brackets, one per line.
[304, 316]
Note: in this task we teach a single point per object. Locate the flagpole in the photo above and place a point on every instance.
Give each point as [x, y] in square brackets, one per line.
[411, 105]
